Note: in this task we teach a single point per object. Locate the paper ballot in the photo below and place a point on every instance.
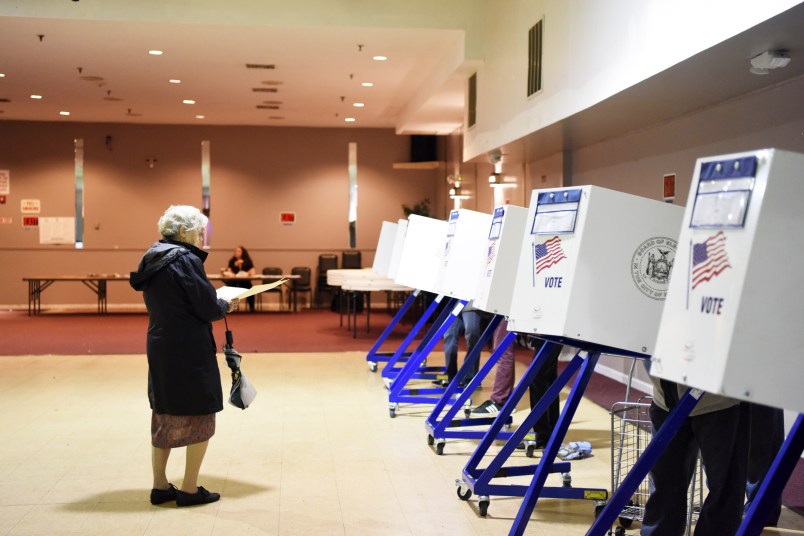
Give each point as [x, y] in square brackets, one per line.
[237, 293]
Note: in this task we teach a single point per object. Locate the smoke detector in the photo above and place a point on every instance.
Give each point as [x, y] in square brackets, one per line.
[769, 60]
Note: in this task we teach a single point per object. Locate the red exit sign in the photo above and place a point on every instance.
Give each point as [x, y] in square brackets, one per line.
[30, 221]
[287, 218]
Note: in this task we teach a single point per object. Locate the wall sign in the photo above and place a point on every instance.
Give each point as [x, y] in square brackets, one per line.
[5, 182]
[287, 218]
[30, 206]
[30, 221]
[669, 188]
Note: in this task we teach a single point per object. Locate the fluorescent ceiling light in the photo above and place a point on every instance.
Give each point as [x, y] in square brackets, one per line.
[367, 84]
[358, 105]
[350, 119]
[155, 52]
[64, 113]
[36, 96]
[174, 81]
[380, 58]
[188, 101]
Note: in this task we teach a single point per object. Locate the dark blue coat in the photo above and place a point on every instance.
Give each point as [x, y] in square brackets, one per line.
[183, 375]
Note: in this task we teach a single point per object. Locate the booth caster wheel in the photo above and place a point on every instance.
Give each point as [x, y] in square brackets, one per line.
[599, 508]
[392, 409]
[372, 366]
[529, 450]
[566, 481]
[619, 531]
[440, 448]
[430, 440]
[626, 523]
[483, 506]
[466, 495]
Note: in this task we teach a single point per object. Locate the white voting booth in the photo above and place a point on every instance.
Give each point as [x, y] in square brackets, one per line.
[464, 254]
[594, 267]
[732, 322]
[495, 287]
[396, 252]
[385, 248]
[422, 253]
[593, 272]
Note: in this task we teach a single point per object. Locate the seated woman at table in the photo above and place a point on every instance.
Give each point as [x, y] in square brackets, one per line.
[240, 266]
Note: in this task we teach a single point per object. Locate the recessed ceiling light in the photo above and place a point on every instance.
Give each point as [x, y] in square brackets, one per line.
[2, 75]
[379, 58]
[36, 96]
[64, 113]
[174, 81]
[367, 84]
[188, 101]
[199, 117]
[358, 105]
[350, 119]
[155, 52]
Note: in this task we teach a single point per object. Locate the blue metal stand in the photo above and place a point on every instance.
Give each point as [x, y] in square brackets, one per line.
[390, 370]
[479, 480]
[374, 355]
[397, 393]
[773, 484]
[658, 444]
[437, 424]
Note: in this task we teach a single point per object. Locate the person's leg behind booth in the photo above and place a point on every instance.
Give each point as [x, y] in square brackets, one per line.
[473, 325]
[547, 375]
[451, 350]
[504, 376]
[765, 438]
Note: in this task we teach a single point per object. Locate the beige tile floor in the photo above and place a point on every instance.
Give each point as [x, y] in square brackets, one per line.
[316, 454]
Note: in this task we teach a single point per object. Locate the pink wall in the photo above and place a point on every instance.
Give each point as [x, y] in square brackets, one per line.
[256, 173]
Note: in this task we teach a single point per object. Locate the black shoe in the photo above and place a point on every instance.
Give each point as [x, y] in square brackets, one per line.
[159, 496]
[202, 496]
[486, 409]
[441, 383]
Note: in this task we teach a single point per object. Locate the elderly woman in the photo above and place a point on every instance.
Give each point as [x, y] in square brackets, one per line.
[184, 383]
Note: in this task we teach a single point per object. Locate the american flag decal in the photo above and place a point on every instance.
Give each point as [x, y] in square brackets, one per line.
[709, 259]
[547, 254]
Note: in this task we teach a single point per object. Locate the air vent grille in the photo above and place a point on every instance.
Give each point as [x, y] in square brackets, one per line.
[264, 89]
[260, 66]
[267, 107]
[471, 115]
[535, 58]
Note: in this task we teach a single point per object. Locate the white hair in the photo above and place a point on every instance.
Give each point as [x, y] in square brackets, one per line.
[181, 219]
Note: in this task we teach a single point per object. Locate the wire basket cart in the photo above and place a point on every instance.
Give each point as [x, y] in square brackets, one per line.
[630, 434]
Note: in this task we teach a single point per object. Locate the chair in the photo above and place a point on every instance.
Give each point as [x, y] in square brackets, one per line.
[323, 292]
[273, 270]
[351, 259]
[300, 286]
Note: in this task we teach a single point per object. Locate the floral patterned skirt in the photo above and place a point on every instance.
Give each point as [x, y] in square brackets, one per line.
[171, 431]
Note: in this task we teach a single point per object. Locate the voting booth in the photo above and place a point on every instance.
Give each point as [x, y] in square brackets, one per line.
[385, 248]
[495, 287]
[731, 323]
[594, 267]
[496, 256]
[732, 319]
[592, 272]
[464, 253]
[396, 251]
[422, 253]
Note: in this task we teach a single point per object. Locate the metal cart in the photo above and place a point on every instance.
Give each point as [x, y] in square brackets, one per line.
[630, 434]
